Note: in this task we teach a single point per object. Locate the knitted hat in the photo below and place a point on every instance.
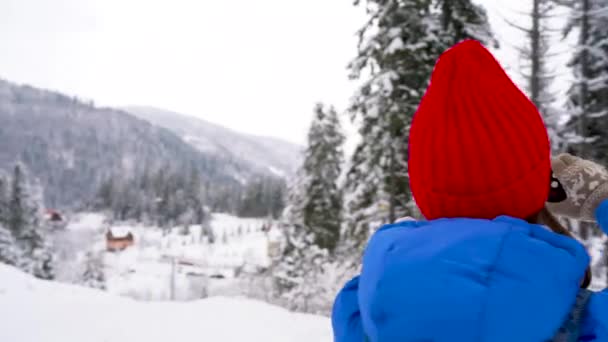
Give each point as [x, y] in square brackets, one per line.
[478, 146]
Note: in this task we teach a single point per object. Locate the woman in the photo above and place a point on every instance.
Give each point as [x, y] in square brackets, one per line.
[484, 266]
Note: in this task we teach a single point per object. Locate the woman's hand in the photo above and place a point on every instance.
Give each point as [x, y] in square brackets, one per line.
[585, 183]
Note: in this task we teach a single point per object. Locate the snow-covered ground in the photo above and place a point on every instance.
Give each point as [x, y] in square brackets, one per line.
[87, 222]
[32, 310]
[83, 234]
[177, 264]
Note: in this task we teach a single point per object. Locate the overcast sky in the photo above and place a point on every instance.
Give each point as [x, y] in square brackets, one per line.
[255, 66]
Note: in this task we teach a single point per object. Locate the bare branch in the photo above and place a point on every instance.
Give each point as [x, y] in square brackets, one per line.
[512, 24]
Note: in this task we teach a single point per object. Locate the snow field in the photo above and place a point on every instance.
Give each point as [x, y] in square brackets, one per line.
[145, 271]
[32, 310]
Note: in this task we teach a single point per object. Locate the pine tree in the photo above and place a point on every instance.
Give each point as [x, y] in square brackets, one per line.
[297, 276]
[25, 224]
[462, 19]
[323, 158]
[94, 275]
[207, 234]
[36, 236]
[588, 94]
[276, 198]
[4, 190]
[9, 251]
[16, 206]
[313, 216]
[399, 56]
[398, 48]
[185, 230]
[210, 233]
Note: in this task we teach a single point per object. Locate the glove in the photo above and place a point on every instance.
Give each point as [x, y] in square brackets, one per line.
[585, 183]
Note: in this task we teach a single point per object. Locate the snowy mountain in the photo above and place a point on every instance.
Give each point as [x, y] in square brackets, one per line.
[270, 154]
[67, 313]
[72, 146]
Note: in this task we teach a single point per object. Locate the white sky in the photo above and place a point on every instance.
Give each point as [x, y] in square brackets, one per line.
[255, 66]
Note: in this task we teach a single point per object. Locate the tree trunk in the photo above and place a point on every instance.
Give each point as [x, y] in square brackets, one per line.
[535, 55]
[584, 231]
[392, 186]
[584, 39]
[446, 11]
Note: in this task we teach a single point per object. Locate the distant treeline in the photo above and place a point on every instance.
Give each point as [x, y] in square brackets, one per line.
[169, 197]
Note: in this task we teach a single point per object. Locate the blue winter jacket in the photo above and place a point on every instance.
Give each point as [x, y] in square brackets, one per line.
[467, 280]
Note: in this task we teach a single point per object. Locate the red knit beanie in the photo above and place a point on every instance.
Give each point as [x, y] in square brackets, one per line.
[478, 146]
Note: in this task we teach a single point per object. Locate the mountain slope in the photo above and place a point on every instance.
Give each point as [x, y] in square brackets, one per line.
[267, 154]
[72, 146]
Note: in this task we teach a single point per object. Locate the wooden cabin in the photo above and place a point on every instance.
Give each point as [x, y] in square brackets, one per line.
[53, 216]
[55, 219]
[118, 240]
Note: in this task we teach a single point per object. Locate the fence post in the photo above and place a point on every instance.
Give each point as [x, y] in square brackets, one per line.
[172, 285]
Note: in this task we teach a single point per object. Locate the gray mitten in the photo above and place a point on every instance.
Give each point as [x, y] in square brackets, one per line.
[585, 183]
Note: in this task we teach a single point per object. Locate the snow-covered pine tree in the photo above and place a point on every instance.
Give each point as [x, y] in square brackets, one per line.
[38, 239]
[207, 234]
[276, 198]
[26, 224]
[299, 272]
[185, 230]
[322, 203]
[398, 48]
[462, 19]
[315, 200]
[94, 275]
[4, 191]
[9, 251]
[587, 130]
[313, 216]
[16, 219]
[211, 238]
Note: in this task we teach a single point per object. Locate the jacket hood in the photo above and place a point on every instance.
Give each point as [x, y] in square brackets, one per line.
[468, 280]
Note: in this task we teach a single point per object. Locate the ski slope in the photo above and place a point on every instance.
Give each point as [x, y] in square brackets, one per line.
[32, 310]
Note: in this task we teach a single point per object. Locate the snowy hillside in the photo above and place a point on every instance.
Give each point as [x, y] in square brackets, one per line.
[32, 310]
[73, 147]
[270, 154]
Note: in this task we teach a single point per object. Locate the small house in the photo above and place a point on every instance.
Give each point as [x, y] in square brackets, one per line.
[118, 239]
[53, 216]
[55, 219]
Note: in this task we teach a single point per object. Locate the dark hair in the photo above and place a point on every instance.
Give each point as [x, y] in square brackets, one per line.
[545, 218]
